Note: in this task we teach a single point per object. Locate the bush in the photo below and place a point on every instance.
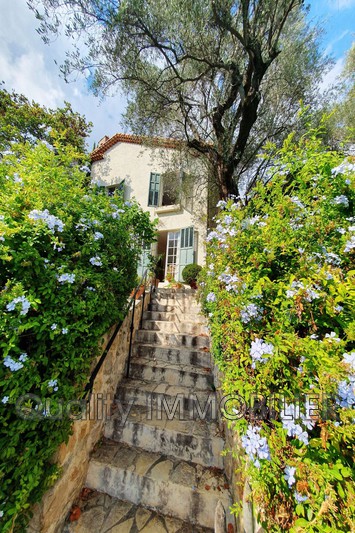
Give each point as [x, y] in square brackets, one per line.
[190, 273]
[279, 290]
[68, 257]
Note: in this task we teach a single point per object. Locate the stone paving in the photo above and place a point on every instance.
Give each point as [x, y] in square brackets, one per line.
[103, 514]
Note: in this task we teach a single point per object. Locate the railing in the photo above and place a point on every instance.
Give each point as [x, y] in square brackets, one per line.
[145, 281]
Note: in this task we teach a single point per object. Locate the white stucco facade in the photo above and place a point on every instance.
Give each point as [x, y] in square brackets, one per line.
[123, 160]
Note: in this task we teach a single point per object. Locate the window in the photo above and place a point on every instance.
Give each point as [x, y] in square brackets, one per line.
[119, 189]
[154, 187]
[187, 237]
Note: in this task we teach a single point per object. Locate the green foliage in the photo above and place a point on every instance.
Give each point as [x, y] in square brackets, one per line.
[280, 293]
[190, 273]
[22, 120]
[65, 276]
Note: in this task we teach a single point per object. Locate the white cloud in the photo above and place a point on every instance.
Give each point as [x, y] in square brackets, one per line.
[331, 44]
[341, 4]
[27, 66]
[331, 77]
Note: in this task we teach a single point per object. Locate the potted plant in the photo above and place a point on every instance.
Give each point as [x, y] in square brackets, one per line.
[190, 274]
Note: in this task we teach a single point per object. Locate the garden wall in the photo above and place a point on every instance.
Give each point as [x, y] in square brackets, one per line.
[73, 457]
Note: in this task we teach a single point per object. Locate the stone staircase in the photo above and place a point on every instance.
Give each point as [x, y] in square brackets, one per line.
[159, 467]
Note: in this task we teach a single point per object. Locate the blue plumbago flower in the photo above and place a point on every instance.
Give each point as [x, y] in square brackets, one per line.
[96, 261]
[53, 327]
[2, 238]
[299, 497]
[255, 446]
[228, 219]
[290, 475]
[346, 393]
[5, 399]
[53, 223]
[211, 297]
[295, 430]
[66, 278]
[53, 383]
[222, 204]
[247, 222]
[349, 359]
[295, 200]
[2, 217]
[13, 365]
[341, 231]
[308, 293]
[250, 312]
[23, 357]
[212, 235]
[258, 349]
[343, 168]
[91, 289]
[115, 215]
[350, 244]
[85, 169]
[25, 305]
[17, 179]
[98, 235]
[341, 200]
[64, 331]
[338, 308]
[128, 204]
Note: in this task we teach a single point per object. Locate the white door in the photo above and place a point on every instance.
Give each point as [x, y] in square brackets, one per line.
[186, 249]
[172, 254]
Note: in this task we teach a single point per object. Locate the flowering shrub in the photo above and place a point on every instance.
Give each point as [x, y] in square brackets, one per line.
[279, 290]
[68, 257]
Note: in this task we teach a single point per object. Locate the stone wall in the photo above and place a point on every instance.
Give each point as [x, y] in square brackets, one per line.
[73, 457]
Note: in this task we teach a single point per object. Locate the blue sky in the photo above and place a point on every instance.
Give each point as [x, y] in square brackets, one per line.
[28, 66]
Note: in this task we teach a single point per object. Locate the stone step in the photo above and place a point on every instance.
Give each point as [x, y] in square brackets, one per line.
[172, 339]
[174, 317]
[189, 328]
[168, 485]
[196, 378]
[155, 430]
[101, 513]
[200, 404]
[160, 308]
[183, 356]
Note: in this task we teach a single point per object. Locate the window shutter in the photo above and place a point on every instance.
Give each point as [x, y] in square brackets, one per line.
[154, 187]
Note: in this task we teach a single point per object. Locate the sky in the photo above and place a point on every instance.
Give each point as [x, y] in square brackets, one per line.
[30, 67]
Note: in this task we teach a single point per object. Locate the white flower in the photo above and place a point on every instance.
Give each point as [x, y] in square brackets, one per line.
[53, 327]
[297, 202]
[64, 331]
[222, 204]
[211, 297]
[343, 168]
[5, 399]
[96, 261]
[23, 357]
[341, 231]
[332, 336]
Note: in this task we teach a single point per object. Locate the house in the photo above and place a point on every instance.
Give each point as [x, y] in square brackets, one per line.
[156, 174]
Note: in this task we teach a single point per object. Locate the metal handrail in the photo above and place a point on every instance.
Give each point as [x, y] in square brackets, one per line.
[89, 386]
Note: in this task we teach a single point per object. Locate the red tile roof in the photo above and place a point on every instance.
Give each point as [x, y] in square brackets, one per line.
[98, 153]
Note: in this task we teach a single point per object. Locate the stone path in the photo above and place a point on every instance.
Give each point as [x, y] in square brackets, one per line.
[159, 467]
